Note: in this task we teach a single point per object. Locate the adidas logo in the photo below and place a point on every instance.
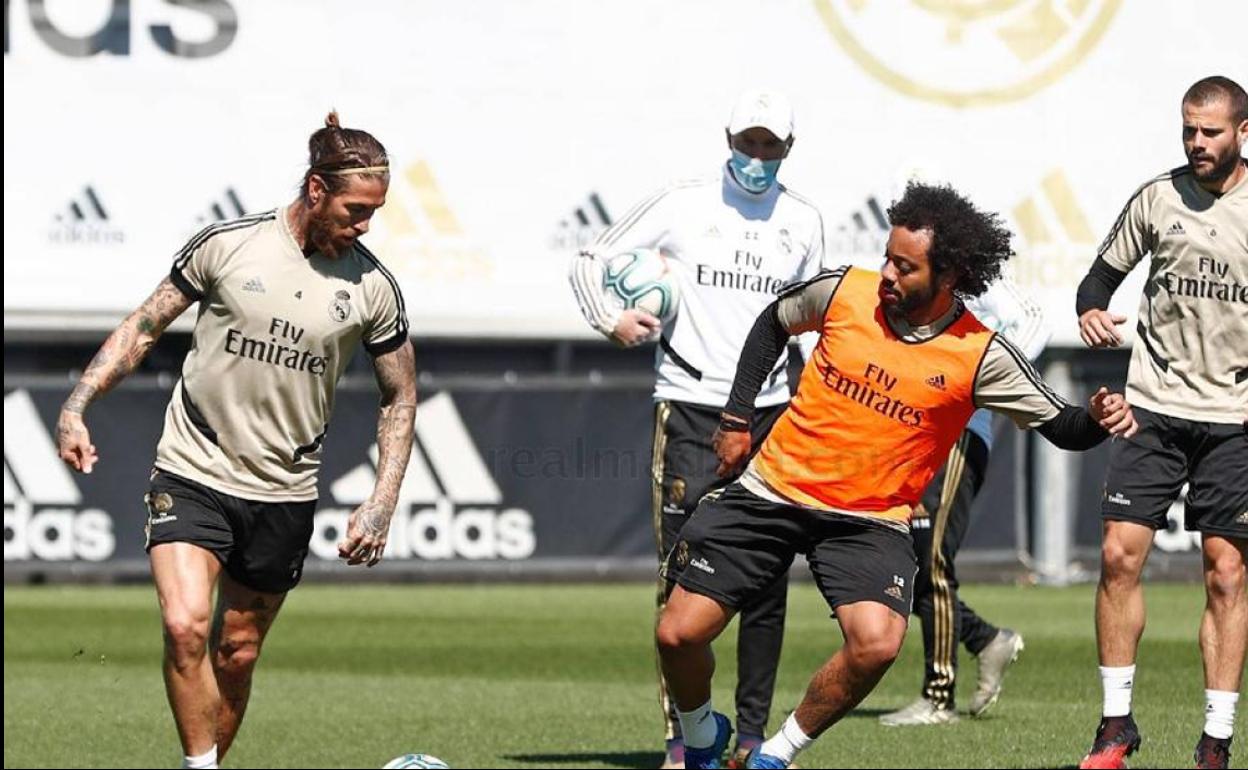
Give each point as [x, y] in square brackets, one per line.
[862, 237]
[254, 285]
[42, 516]
[449, 504]
[1055, 237]
[1176, 229]
[579, 230]
[1053, 215]
[89, 207]
[937, 381]
[232, 208]
[419, 223]
[85, 220]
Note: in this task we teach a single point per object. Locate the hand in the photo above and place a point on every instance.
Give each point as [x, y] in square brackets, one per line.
[1096, 327]
[73, 442]
[635, 327]
[732, 448]
[1113, 413]
[367, 530]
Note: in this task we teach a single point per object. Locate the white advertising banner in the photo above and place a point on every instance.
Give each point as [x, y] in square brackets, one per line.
[517, 130]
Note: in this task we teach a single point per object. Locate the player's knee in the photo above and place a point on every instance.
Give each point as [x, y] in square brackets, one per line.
[238, 651]
[876, 648]
[186, 637]
[1120, 565]
[1224, 577]
[674, 635]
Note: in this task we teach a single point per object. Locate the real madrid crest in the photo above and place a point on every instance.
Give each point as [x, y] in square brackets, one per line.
[682, 554]
[967, 53]
[340, 308]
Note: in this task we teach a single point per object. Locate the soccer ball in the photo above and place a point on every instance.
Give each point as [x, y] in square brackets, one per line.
[415, 760]
[642, 278]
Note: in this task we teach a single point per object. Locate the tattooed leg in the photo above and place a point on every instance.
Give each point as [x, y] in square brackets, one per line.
[242, 620]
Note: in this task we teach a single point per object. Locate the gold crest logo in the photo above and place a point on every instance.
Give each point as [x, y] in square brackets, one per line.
[676, 492]
[967, 53]
[682, 554]
[159, 504]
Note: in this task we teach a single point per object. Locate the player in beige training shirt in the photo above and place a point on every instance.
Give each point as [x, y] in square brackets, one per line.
[1188, 383]
[284, 299]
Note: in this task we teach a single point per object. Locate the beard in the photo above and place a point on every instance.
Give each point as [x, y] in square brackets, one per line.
[319, 233]
[1219, 170]
[915, 300]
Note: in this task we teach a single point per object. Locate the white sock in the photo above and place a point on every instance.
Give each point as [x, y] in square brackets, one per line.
[1116, 682]
[786, 743]
[207, 759]
[1220, 713]
[698, 727]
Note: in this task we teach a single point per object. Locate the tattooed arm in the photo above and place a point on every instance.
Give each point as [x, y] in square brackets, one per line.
[369, 524]
[121, 353]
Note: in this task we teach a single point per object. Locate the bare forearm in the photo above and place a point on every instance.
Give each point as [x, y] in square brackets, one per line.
[127, 346]
[396, 421]
[120, 355]
[396, 425]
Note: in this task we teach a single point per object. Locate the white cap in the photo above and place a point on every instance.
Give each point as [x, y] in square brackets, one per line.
[764, 109]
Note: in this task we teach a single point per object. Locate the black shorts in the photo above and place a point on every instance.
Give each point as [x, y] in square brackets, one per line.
[261, 545]
[1147, 472]
[736, 544]
[683, 435]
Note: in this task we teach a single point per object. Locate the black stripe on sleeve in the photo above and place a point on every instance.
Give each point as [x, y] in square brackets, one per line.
[1030, 372]
[401, 325]
[1122, 216]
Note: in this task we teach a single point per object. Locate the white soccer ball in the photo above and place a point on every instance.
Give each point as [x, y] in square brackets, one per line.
[415, 760]
[643, 278]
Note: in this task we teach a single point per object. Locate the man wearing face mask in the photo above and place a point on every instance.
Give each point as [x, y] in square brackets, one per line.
[735, 238]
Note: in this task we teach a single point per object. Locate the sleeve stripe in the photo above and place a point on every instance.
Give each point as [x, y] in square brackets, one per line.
[802, 199]
[1030, 372]
[184, 286]
[401, 327]
[188, 251]
[838, 273]
[587, 290]
[616, 231]
[1122, 216]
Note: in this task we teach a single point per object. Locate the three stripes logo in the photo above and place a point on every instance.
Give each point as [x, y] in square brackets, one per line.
[449, 504]
[584, 225]
[421, 234]
[937, 381]
[85, 220]
[229, 207]
[1057, 238]
[44, 516]
[1176, 229]
[860, 239]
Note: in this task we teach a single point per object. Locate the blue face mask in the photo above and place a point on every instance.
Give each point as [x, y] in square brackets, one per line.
[753, 174]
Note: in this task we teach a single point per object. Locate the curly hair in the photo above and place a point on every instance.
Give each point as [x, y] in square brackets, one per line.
[973, 244]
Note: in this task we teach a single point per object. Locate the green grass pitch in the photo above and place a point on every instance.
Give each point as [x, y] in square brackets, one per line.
[552, 676]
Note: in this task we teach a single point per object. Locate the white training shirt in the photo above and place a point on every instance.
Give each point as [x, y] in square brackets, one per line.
[732, 252]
